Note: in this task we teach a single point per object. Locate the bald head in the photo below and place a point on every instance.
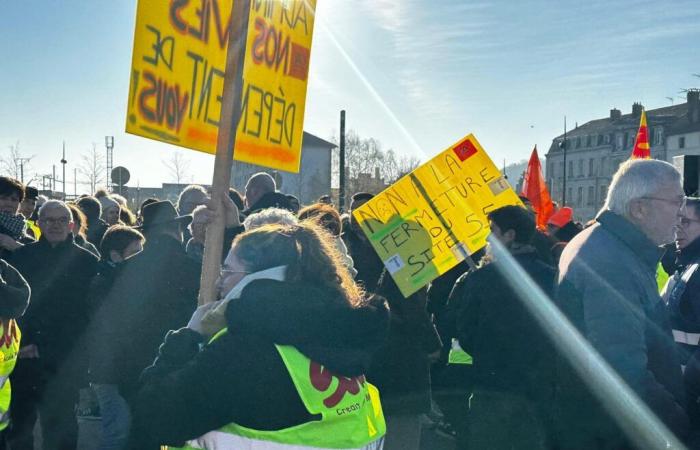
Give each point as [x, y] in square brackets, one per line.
[258, 185]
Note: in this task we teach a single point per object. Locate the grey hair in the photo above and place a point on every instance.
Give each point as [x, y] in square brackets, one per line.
[638, 178]
[55, 204]
[189, 190]
[270, 216]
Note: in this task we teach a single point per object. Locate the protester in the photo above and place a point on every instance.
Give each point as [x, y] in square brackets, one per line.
[269, 216]
[261, 192]
[139, 215]
[96, 227]
[327, 216]
[118, 245]
[607, 289]
[27, 208]
[366, 261]
[190, 198]
[13, 225]
[401, 367]
[294, 203]
[14, 298]
[145, 296]
[110, 210]
[52, 360]
[562, 229]
[512, 384]
[80, 229]
[296, 323]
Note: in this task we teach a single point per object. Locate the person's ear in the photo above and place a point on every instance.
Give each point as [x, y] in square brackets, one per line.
[71, 226]
[638, 209]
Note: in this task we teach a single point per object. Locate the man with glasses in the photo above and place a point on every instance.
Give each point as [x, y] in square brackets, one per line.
[52, 363]
[607, 288]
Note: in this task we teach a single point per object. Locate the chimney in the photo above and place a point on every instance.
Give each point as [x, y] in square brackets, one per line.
[615, 114]
[693, 96]
[637, 109]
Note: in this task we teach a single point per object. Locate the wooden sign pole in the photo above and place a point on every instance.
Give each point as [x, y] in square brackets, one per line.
[228, 124]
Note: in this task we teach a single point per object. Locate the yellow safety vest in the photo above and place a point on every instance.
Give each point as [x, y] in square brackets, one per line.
[350, 410]
[9, 348]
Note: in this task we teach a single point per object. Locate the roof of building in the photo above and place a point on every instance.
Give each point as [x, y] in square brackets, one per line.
[315, 140]
[675, 120]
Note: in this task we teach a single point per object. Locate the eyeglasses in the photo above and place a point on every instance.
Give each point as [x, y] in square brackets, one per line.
[57, 221]
[679, 201]
[686, 222]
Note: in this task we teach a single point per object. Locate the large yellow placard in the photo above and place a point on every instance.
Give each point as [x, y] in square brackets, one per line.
[177, 76]
[434, 217]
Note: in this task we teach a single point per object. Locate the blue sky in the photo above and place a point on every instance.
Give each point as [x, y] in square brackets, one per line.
[416, 75]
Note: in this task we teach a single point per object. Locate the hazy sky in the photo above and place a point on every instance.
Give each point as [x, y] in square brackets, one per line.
[416, 75]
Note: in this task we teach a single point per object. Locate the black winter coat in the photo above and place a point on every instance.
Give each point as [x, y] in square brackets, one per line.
[136, 305]
[14, 292]
[58, 313]
[366, 261]
[241, 377]
[401, 367]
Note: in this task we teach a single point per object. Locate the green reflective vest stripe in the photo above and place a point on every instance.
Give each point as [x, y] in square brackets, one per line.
[661, 277]
[458, 355]
[349, 411]
[9, 347]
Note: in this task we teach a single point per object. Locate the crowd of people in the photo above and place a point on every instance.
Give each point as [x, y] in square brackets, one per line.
[310, 343]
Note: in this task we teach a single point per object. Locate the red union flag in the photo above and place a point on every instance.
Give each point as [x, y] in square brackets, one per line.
[464, 150]
[535, 189]
[641, 143]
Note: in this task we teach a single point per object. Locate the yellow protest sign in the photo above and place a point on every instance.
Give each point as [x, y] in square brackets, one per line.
[177, 76]
[431, 219]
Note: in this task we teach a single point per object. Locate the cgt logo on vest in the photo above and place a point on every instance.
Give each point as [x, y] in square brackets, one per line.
[322, 378]
[9, 333]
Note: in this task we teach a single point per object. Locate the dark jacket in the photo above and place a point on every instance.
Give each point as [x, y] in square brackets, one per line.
[269, 200]
[25, 239]
[57, 315]
[87, 245]
[401, 367]
[608, 290]
[510, 350]
[14, 292]
[366, 261]
[240, 377]
[684, 303]
[137, 303]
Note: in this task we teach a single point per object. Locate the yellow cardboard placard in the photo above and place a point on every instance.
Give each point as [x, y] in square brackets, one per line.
[431, 219]
[177, 76]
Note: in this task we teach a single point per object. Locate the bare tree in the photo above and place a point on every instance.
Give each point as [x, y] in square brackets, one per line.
[178, 166]
[368, 167]
[15, 165]
[92, 168]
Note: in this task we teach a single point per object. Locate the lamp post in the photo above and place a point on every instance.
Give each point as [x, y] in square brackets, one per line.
[563, 146]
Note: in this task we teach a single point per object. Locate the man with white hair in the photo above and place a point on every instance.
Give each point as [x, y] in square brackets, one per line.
[607, 288]
[51, 364]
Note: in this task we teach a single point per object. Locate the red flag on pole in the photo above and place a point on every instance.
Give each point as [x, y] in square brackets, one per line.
[641, 143]
[535, 189]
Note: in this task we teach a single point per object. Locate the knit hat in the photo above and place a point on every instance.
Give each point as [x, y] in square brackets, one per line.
[108, 203]
[561, 217]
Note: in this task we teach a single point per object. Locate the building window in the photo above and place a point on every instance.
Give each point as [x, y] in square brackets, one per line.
[603, 193]
[681, 142]
[619, 141]
[625, 140]
[578, 142]
[659, 136]
[569, 193]
[590, 167]
[589, 140]
[580, 167]
[607, 138]
[591, 196]
[579, 196]
[571, 169]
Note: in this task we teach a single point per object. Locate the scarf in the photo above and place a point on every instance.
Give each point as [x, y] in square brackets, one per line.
[13, 225]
